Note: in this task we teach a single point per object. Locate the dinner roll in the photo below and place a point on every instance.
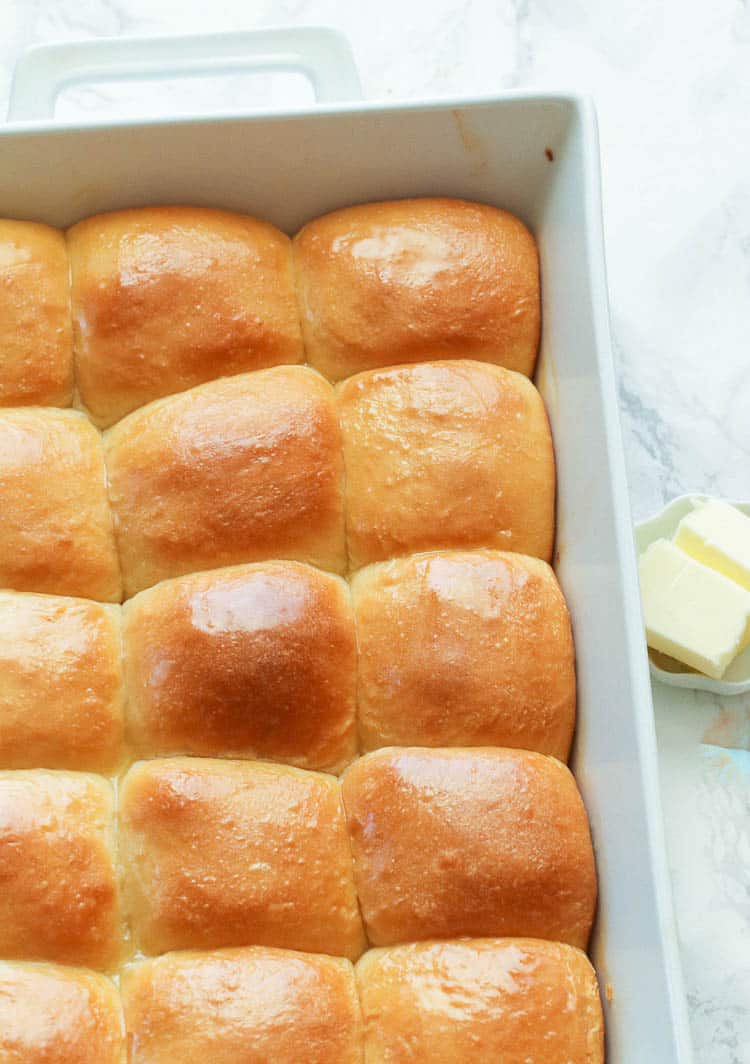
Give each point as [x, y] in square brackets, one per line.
[469, 842]
[36, 356]
[410, 280]
[61, 691]
[446, 454]
[55, 1015]
[237, 853]
[239, 470]
[243, 1006]
[55, 523]
[464, 648]
[480, 1001]
[252, 661]
[59, 897]
[165, 298]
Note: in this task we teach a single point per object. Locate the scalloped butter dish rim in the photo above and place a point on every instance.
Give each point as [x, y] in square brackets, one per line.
[662, 525]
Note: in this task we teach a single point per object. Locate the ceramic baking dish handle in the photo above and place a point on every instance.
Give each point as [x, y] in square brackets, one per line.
[322, 55]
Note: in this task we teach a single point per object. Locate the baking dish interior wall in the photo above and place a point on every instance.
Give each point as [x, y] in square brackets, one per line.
[289, 169]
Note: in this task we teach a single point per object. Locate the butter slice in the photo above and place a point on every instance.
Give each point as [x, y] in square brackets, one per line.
[692, 613]
[718, 535]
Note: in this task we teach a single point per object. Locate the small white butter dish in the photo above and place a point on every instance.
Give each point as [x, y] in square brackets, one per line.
[736, 679]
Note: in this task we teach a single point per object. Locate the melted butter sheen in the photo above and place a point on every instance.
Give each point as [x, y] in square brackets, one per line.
[450, 843]
[483, 1001]
[52, 1015]
[56, 531]
[35, 319]
[237, 608]
[445, 454]
[63, 654]
[220, 853]
[12, 255]
[255, 1005]
[250, 661]
[166, 298]
[406, 255]
[253, 462]
[464, 648]
[417, 280]
[59, 896]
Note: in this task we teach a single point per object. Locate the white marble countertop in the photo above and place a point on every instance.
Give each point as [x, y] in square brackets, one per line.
[670, 80]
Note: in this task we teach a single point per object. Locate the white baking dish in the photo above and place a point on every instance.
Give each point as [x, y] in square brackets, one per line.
[536, 155]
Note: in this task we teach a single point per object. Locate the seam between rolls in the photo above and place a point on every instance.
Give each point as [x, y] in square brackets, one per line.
[76, 400]
[298, 299]
[342, 803]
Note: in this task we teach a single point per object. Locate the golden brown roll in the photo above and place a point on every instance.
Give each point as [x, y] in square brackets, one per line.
[59, 896]
[410, 280]
[239, 470]
[36, 354]
[446, 454]
[251, 661]
[61, 690]
[165, 298]
[464, 648]
[55, 1015]
[237, 853]
[510, 1001]
[55, 524]
[469, 842]
[254, 1006]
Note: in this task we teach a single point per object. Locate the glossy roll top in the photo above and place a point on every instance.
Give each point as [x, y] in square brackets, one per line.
[478, 842]
[55, 1015]
[417, 279]
[230, 489]
[510, 1001]
[445, 454]
[165, 298]
[254, 1006]
[251, 661]
[464, 648]
[450, 1002]
[36, 356]
[236, 853]
[455, 1002]
[61, 690]
[59, 898]
[239, 470]
[152, 301]
[55, 523]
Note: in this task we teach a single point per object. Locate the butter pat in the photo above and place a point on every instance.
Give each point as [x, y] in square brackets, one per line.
[718, 535]
[692, 613]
